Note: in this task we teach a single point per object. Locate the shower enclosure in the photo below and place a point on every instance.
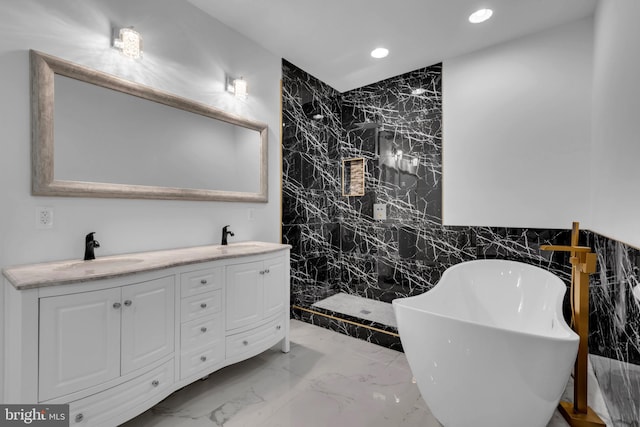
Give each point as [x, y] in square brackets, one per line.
[347, 265]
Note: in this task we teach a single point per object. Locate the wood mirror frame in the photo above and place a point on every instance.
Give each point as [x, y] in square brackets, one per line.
[43, 70]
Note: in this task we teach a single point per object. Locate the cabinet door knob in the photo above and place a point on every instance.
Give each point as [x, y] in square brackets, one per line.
[203, 305]
[267, 270]
[278, 327]
[203, 358]
[203, 329]
[155, 383]
[245, 342]
[127, 302]
[116, 305]
[203, 281]
[79, 417]
[261, 271]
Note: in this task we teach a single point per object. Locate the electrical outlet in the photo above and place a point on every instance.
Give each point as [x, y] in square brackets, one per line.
[379, 211]
[44, 218]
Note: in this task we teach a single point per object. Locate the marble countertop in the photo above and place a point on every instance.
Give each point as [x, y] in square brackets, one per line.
[74, 271]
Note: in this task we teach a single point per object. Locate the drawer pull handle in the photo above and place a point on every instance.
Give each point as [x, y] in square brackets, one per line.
[116, 305]
[203, 358]
[79, 417]
[203, 329]
[127, 302]
[155, 383]
[245, 342]
[203, 305]
[278, 327]
[203, 281]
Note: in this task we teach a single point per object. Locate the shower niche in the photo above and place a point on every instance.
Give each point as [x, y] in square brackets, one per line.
[353, 171]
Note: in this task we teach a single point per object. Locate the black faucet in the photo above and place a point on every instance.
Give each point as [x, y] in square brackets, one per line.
[226, 232]
[89, 244]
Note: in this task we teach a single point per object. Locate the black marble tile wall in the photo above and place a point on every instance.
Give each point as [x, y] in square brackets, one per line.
[615, 328]
[396, 126]
[312, 130]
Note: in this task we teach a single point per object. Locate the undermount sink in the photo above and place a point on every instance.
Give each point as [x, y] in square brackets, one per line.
[99, 263]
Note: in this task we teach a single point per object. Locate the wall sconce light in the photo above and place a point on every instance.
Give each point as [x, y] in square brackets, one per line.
[238, 87]
[128, 41]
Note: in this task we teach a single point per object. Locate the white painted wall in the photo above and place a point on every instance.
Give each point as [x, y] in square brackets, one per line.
[517, 131]
[616, 122]
[187, 53]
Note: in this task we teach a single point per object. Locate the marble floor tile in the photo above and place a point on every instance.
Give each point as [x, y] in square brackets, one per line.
[327, 380]
[620, 383]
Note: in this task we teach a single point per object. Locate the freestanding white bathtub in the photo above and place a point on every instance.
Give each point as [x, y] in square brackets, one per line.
[488, 345]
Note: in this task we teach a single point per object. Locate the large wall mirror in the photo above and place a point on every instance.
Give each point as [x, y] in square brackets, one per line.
[98, 135]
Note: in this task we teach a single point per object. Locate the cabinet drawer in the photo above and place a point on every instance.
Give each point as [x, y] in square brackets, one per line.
[201, 305]
[201, 359]
[203, 331]
[255, 340]
[104, 408]
[198, 282]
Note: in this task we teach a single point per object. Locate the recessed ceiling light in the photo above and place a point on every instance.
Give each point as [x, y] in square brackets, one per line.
[379, 52]
[480, 15]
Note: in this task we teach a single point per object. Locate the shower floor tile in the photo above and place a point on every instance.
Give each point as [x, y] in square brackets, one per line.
[327, 380]
[363, 308]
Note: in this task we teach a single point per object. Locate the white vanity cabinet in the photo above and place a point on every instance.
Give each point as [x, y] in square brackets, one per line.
[115, 345]
[254, 292]
[147, 328]
[256, 295]
[202, 322]
[79, 342]
[88, 338]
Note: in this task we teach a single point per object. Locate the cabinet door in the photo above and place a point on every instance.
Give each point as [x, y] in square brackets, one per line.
[244, 293]
[147, 322]
[79, 341]
[274, 286]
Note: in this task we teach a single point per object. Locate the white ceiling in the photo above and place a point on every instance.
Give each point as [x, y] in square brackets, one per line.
[332, 39]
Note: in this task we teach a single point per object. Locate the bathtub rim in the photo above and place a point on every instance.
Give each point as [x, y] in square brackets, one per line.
[569, 336]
